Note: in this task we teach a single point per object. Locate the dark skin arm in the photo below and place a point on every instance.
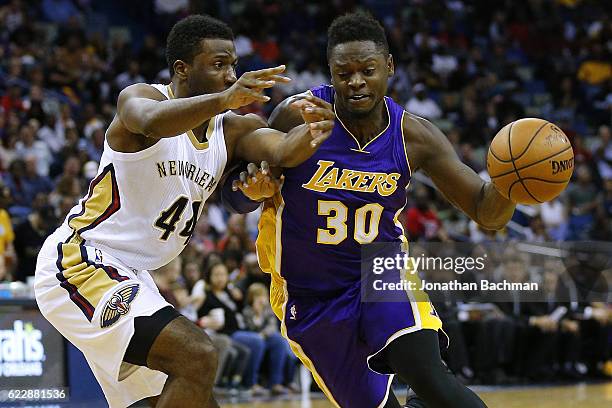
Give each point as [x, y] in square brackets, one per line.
[287, 114]
[144, 115]
[143, 110]
[428, 149]
[250, 140]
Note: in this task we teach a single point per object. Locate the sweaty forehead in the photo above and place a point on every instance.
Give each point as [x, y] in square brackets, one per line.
[216, 47]
[356, 52]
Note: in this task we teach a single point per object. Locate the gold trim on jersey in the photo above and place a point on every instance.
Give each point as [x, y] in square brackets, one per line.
[86, 281]
[405, 149]
[192, 137]
[361, 149]
[269, 249]
[101, 202]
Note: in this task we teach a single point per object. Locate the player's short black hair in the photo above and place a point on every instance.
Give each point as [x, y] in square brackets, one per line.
[357, 26]
[184, 40]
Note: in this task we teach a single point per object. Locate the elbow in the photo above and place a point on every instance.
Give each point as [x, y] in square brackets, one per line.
[495, 224]
[492, 227]
[149, 127]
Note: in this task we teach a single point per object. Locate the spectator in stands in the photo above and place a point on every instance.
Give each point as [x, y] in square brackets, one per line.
[236, 230]
[28, 146]
[29, 237]
[557, 299]
[221, 301]
[130, 77]
[170, 283]
[536, 231]
[7, 236]
[66, 188]
[582, 199]
[253, 273]
[603, 152]
[589, 290]
[596, 69]
[421, 220]
[233, 356]
[259, 318]
[196, 287]
[58, 11]
[422, 105]
[93, 146]
[554, 217]
[203, 239]
[582, 155]
[14, 180]
[52, 134]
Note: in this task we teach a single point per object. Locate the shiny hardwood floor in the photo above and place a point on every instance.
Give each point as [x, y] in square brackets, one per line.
[574, 396]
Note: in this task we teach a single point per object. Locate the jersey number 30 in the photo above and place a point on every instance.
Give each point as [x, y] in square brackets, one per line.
[367, 219]
[168, 219]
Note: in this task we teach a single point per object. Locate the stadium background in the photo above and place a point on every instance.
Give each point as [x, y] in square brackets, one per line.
[469, 66]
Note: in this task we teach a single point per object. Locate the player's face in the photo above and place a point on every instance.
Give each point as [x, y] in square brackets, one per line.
[214, 69]
[359, 74]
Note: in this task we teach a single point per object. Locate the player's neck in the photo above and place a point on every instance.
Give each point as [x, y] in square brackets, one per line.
[179, 91]
[365, 128]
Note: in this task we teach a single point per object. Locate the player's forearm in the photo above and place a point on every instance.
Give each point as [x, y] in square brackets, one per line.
[493, 211]
[236, 201]
[295, 148]
[277, 148]
[175, 116]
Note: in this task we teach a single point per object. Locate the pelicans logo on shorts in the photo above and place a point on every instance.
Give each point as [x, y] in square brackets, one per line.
[118, 305]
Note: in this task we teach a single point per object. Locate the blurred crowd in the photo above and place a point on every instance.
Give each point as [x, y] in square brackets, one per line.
[469, 66]
[556, 330]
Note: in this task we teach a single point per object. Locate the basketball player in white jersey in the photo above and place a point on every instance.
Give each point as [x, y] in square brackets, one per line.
[164, 153]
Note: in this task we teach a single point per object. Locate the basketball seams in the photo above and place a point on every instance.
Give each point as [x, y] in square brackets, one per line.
[514, 165]
[547, 181]
[533, 164]
[531, 141]
[495, 154]
[497, 157]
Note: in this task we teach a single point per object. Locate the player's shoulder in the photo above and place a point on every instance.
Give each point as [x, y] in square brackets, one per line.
[140, 90]
[323, 91]
[416, 128]
[422, 138]
[243, 123]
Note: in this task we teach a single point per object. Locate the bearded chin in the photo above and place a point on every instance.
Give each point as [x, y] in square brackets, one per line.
[360, 114]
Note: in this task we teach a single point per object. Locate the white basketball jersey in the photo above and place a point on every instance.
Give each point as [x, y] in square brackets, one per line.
[142, 207]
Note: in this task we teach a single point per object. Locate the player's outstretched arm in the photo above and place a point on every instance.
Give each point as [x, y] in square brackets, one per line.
[289, 149]
[429, 149]
[287, 114]
[143, 110]
[245, 187]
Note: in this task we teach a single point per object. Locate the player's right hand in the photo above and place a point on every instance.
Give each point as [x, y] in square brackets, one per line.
[319, 115]
[250, 86]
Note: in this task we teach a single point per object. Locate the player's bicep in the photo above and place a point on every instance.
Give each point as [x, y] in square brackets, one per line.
[262, 144]
[136, 105]
[458, 182]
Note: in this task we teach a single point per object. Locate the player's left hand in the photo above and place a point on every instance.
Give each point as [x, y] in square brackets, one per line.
[257, 183]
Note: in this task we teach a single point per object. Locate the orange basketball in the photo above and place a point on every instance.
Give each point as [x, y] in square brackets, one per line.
[530, 161]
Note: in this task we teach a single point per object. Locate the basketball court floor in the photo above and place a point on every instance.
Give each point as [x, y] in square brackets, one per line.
[581, 395]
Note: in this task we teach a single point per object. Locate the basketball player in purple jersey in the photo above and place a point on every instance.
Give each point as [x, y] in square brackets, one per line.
[349, 194]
